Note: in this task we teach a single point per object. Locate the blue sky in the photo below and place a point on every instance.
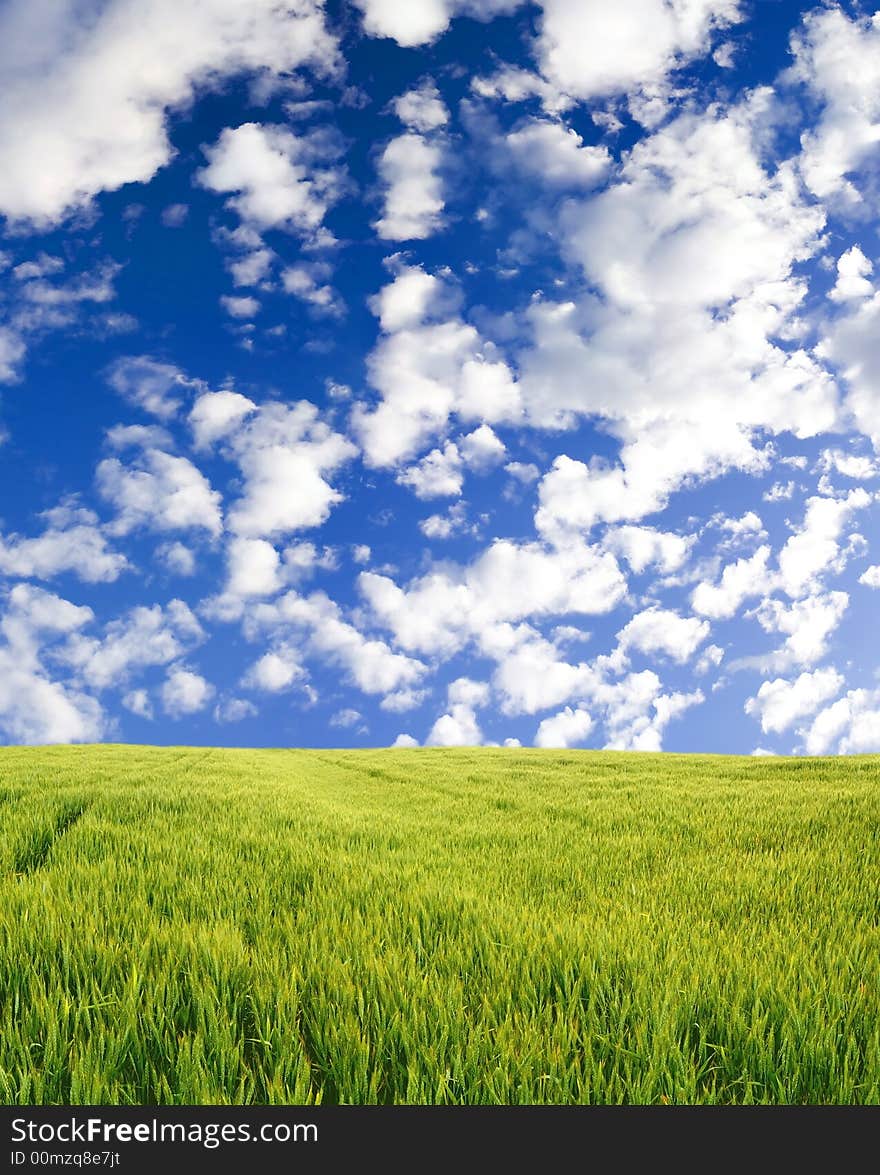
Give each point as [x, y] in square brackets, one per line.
[440, 372]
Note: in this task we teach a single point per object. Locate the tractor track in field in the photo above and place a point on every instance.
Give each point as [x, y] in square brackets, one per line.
[34, 854]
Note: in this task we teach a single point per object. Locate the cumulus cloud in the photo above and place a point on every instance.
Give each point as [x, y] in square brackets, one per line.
[643, 547]
[660, 630]
[285, 453]
[442, 610]
[780, 703]
[420, 21]
[589, 48]
[853, 270]
[71, 543]
[459, 727]
[272, 175]
[143, 637]
[815, 547]
[409, 169]
[849, 726]
[275, 671]
[665, 327]
[316, 624]
[184, 692]
[149, 384]
[838, 58]
[217, 414]
[556, 155]
[158, 491]
[808, 625]
[421, 109]
[438, 475]
[92, 95]
[740, 580]
[428, 365]
[565, 729]
[35, 708]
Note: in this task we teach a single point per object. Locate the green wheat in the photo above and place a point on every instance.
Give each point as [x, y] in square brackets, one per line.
[437, 926]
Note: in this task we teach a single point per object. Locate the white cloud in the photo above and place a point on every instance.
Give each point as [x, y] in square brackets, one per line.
[659, 630]
[285, 453]
[815, 547]
[853, 268]
[273, 175]
[240, 307]
[251, 268]
[254, 568]
[780, 703]
[427, 370]
[419, 21]
[467, 692]
[849, 465]
[664, 327]
[643, 547]
[144, 637]
[177, 558]
[565, 729]
[405, 740]
[849, 726]
[91, 94]
[444, 526]
[740, 580]
[710, 658]
[72, 542]
[589, 48]
[458, 728]
[33, 707]
[308, 282]
[275, 671]
[482, 449]
[345, 719]
[217, 414]
[174, 215]
[12, 351]
[555, 154]
[524, 472]
[409, 169]
[438, 475]
[139, 703]
[184, 692]
[747, 528]
[443, 609]
[139, 436]
[406, 300]
[401, 700]
[838, 58]
[160, 492]
[318, 624]
[149, 384]
[808, 625]
[871, 577]
[779, 492]
[234, 710]
[421, 109]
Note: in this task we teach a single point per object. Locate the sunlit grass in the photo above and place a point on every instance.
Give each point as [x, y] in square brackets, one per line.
[192, 926]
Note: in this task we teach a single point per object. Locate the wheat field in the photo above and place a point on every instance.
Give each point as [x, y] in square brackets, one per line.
[195, 926]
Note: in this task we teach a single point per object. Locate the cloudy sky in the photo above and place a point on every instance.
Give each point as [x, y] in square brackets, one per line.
[440, 371]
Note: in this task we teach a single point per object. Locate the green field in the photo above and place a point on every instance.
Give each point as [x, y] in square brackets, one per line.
[437, 926]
